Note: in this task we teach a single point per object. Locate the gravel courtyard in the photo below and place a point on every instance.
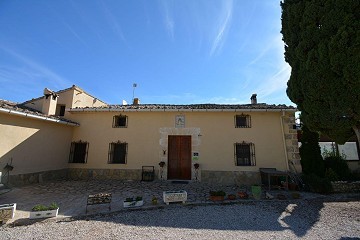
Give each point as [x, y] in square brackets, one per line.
[301, 219]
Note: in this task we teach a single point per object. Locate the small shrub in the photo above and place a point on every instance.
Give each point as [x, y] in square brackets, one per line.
[317, 184]
[41, 207]
[339, 166]
[53, 206]
[331, 175]
[217, 193]
[129, 199]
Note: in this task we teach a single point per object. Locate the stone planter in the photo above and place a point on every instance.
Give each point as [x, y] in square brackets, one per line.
[7, 211]
[174, 196]
[133, 204]
[44, 214]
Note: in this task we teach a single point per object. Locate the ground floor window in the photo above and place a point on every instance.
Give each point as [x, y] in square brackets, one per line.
[117, 152]
[244, 154]
[78, 152]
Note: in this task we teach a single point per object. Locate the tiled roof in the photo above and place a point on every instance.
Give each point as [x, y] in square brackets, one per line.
[190, 107]
[26, 111]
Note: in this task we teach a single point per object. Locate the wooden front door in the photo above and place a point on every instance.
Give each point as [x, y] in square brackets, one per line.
[179, 157]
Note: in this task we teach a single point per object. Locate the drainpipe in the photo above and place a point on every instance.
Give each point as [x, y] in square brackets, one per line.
[284, 140]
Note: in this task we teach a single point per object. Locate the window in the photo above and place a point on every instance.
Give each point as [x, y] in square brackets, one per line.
[242, 121]
[60, 110]
[244, 154]
[78, 152]
[120, 121]
[117, 152]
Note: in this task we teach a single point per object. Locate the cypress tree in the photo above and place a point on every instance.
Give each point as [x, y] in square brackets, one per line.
[310, 153]
[322, 46]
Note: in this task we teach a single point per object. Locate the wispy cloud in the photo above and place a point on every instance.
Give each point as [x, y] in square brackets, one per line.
[32, 70]
[74, 33]
[224, 22]
[114, 24]
[168, 18]
[276, 82]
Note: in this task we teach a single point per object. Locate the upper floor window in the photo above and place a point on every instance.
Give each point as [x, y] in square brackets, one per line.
[242, 121]
[78, 152]
[244, 154]
[117, 152]
[60, 110]
[120, 121]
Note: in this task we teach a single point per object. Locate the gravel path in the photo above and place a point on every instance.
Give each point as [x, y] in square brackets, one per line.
[303, 219]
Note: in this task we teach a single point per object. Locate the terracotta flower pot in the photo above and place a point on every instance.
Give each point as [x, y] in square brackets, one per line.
[217, 198]
[231, 196]
[243, 195]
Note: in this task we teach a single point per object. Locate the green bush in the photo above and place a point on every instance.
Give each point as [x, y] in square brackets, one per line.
[339, 165]
[217, 193]
[317, 184]
[41, 207]
[331, 175]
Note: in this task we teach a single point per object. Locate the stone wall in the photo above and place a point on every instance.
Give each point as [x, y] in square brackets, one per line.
[291, 141]
[31, 178]
[344, 187]
[231, 177]
[116, 174]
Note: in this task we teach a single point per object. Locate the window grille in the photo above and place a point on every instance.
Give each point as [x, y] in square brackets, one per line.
[244, 154]
[117, 152]
[242, 121]
[78, 152]
[120, 121]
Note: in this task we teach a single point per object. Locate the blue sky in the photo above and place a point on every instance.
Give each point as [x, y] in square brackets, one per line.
[178, 52]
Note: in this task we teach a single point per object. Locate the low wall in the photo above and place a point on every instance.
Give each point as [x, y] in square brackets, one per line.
[343, 187]
[31, 178]
[231, 177]
[116, 174]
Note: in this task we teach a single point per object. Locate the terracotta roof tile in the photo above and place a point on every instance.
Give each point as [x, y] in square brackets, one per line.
[19, 107]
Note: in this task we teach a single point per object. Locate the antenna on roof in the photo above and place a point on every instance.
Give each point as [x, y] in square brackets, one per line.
[134, 86]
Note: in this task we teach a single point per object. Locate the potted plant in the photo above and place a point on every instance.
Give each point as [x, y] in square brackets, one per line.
[217, 195]
[133, 202]
[231, 196]
[243, 195]
[154, 200]
[162, 164]
[42, 211]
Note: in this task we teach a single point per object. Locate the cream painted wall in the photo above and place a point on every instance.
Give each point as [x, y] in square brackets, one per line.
[34, 145]
[217, 140]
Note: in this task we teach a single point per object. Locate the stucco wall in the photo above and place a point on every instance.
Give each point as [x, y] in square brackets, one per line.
[216, 140]
[33, 145]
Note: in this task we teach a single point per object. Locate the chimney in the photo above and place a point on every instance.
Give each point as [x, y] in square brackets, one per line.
[253, 99]
[136, 101]
[49, 102]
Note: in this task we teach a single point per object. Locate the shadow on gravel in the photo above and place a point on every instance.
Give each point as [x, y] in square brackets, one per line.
[295, 216]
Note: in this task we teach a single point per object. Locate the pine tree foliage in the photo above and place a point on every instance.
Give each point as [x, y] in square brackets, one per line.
[322, 46]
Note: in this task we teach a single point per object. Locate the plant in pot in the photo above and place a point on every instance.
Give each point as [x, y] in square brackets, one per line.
[162, 164]
[42, 211]
[133, 202]
[154, 200]
[217, 195]
[243, 195]
[231, 196]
